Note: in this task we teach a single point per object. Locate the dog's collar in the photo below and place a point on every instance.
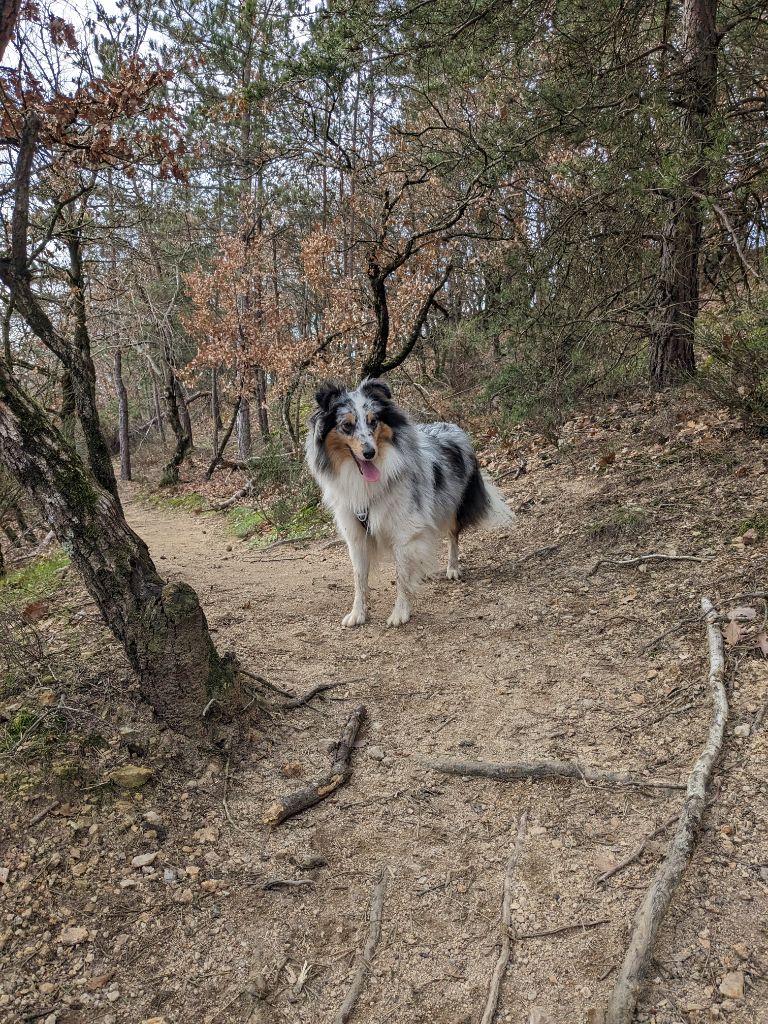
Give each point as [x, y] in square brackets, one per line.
[362, 517]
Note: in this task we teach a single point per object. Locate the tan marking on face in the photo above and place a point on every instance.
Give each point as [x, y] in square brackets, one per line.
[339, 451]
[382, 435]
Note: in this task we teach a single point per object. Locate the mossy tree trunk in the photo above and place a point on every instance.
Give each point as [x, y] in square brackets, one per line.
[160, 625]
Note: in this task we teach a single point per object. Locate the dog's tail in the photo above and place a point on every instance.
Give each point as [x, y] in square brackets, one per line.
[483, 504]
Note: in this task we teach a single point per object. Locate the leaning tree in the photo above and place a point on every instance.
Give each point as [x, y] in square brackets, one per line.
[65, 124]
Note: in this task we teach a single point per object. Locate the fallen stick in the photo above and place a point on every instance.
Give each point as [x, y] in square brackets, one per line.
[653, 557]
[294, 803]
[286, 883]
[43, 814]
[242, 493]
[657, 899]
[297, 702]
[366, 956]
[546, 770]
[583, 925]
[505, 940]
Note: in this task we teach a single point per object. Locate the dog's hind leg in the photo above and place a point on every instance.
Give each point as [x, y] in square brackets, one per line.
[453, 572]
[360, 555]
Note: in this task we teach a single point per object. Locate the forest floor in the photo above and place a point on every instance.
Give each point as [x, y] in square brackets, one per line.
[531, 655]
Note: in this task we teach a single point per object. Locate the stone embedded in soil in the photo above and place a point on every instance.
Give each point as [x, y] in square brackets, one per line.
[741, 731]
[376, 753]
[73, 936]
[131, 776]
[732, 985]
[144, 859]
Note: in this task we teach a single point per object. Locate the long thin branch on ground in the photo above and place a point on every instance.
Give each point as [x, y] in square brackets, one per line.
[366, 956]
[546, 770]
[653, 909]
[298, 702]
[638, 559]
[505, 941]
[576, 926]
[311, 794]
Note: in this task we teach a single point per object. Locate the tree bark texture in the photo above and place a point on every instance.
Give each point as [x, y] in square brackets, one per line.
[160, 625]
[677, 296]
[122, 417]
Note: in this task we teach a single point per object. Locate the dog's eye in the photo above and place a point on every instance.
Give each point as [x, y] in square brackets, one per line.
[347, 427]
[373, 423]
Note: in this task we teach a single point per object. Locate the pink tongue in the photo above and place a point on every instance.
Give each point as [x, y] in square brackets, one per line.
[369, 471]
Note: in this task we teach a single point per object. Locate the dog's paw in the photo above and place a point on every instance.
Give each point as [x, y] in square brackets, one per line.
[399, 617]
[452, 574]
[354, 618]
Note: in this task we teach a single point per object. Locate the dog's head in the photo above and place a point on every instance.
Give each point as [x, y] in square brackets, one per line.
[357, 425]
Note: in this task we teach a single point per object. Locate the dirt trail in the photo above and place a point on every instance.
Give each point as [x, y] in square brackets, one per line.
[519, 660]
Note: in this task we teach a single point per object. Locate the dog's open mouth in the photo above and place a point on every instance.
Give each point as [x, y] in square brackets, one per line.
[368, 470]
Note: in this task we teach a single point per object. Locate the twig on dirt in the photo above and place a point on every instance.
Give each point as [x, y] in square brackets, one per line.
[636, 852]
[637, 560]
[311, 794]
[289, 540]
[230, 819]
[657, 899]
[43, 813]
[286, 883]
[546, 770]
[366, 956]
[505, 941]
[266, 682]
[668, 632]
[298, 986]
[576, 926]
[296, 702]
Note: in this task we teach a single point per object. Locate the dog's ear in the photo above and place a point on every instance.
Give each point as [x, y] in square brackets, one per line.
[328, 392]
[377, 388]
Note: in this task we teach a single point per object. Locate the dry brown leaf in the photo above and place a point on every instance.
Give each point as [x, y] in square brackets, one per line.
[744, 613]
[733, 633]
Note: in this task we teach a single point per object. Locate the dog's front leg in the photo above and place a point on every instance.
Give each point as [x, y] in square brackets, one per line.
[359, 553]
[404, 570]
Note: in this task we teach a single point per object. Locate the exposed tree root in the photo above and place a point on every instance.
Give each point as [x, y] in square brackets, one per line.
[653, 557]
[505, 944]
[548, 769]
[366, 956]
[653, 909]
[294, 803]
[636, 852]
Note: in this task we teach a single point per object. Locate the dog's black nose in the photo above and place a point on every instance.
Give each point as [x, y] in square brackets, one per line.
[369, 451]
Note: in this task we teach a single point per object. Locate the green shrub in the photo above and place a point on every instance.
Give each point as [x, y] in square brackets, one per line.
[735, 369]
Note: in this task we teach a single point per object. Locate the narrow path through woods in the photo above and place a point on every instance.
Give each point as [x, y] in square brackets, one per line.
[519, 661]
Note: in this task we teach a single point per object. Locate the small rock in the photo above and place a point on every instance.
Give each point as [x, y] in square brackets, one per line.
[292, 769]
[750, 537]
[113, 995]
[327, 745]
[741, 950]
[97, 982]
[144, 859]
[732, 985]
[209, 834]
[637, 698]
[210, 885]
[742, 731]
[376, 753]
[169, 876]
[73, 936]
[538, 1015]
[153, 818]
[4, 873]
[131, 776]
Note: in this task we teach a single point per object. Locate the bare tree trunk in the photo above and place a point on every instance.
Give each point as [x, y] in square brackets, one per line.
[261, 397]
[244, 429]
[160, 418]
[218, 452]
[677, 297]
[161, 626]
[183, 407]
[68, 413]
[122, 417]
[170, 475]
